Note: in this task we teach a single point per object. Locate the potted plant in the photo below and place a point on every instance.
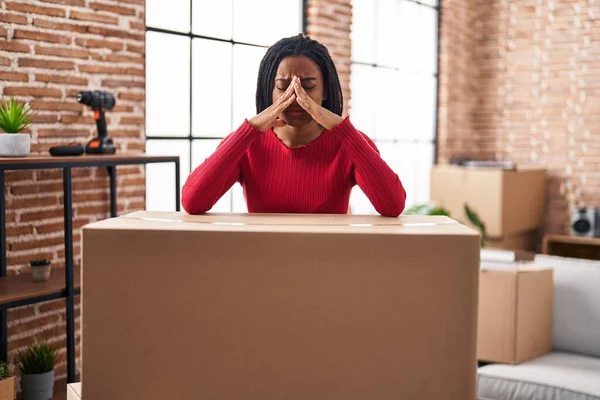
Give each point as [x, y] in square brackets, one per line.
[14, 118]
[40, 269]
[36, 364]
[7, 383]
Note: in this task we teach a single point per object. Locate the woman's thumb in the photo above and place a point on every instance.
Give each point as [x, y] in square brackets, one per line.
[278, 123]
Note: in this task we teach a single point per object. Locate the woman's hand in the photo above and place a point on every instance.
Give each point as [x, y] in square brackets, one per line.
[269, 117]
[320, 114]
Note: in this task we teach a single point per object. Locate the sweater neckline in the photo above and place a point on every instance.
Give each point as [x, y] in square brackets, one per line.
[299, 148]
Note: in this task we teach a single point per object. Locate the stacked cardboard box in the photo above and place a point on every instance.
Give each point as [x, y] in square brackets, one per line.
[515, 312]
[511, 203]
[279, 306]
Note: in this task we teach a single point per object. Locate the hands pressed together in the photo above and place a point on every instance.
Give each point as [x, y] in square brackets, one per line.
[270, 117]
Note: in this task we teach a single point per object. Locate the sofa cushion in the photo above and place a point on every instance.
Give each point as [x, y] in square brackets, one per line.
[555, 376]
[576, 325]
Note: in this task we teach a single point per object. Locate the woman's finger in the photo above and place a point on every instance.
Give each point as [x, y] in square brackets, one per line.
[281, 107]
[286, 95]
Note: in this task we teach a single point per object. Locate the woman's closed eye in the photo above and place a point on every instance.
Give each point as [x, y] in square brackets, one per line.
[307, 88]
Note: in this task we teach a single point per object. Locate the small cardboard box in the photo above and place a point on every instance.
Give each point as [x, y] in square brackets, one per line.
[7, 388]
[250, 306]
[507, 201]
[74, 391]
[515, 313]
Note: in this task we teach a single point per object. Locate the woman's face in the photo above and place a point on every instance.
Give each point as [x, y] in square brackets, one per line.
[312, 80]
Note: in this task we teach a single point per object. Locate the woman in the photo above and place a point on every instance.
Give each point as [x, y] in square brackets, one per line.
[298, 155]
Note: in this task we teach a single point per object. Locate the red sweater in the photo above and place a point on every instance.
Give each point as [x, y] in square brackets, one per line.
[316, 178]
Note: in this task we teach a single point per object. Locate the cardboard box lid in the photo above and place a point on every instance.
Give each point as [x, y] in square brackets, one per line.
[305, 223]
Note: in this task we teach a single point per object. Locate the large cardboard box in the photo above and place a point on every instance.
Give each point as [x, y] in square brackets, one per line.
[515, 312]
[509, 202]
[252, 306]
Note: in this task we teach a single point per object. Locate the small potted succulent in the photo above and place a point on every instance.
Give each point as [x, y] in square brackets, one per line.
[7, 383]
[40, 270]
[36, 364]
[15, 117]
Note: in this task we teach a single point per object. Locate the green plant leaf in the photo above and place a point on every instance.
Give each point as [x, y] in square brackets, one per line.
[426, 209]
[477, 222]
[36, 359]
[15, 116]
[4, 371]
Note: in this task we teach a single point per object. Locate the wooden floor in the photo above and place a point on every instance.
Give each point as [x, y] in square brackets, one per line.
[60, 390]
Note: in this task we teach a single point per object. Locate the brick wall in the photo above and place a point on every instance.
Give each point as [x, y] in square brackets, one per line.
[457, 81]
[329, 22]
[535, 66]
[50, 50]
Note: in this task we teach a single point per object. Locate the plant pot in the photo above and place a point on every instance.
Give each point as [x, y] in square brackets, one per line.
[15, 144]
[7, 388]
[41, 273]
[38, 386]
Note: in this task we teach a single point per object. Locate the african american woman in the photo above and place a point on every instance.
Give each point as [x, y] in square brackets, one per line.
[297, 155]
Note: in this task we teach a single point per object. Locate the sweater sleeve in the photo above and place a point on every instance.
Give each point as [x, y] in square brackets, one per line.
[372, 174]
[215, 176]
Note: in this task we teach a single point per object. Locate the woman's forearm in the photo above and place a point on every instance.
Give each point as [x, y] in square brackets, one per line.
[215, 176]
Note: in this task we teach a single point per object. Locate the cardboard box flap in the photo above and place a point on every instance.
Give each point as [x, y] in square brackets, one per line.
[145, 220]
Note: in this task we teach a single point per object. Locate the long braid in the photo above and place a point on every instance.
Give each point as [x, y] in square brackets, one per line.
[300, 45]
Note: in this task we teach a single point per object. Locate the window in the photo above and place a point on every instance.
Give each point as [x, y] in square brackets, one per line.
[202, 60]
[394, 88]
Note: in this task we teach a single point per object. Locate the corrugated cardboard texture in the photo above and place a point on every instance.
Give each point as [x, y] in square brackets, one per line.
[244, 310]
[508, 202]
[515, 314]
[526, 241]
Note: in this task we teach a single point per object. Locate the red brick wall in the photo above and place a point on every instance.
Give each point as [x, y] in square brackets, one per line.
[457, 81]
[535, 67]
[329, 22]
[50, 50]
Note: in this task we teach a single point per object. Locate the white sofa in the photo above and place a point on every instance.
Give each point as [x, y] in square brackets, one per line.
[572, 370]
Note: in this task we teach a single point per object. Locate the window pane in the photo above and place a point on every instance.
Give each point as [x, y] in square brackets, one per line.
[201, 150]
[362, 102]
[433, 3]
[402, 158]
[239, 202]
[211, 88]
[424, 160]
[408, 15]
[360, 203]
[426, 40]
[386, 104]
[212, 18]
[387, 33]
[266, 21]
[173, 15]
[363, 31]
[160, 178]
[415, 102]
[246, 60]
[167, 85]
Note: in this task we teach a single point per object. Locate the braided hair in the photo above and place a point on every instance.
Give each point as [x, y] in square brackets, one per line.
[299, 45]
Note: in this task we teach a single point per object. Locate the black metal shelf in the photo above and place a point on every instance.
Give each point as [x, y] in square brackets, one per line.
[19, 290]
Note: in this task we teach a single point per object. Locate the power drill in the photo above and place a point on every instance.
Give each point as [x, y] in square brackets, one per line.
[99, 102]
